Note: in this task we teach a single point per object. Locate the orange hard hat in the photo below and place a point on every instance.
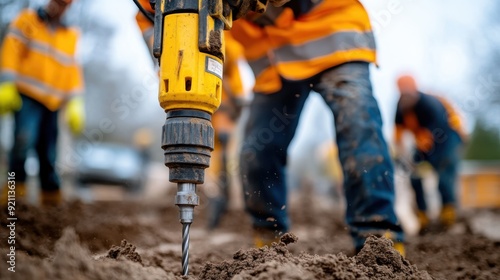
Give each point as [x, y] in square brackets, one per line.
[407, 84]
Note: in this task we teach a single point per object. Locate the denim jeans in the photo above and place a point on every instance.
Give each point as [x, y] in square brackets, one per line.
[35, 128]
[363, 153]
[444, 158]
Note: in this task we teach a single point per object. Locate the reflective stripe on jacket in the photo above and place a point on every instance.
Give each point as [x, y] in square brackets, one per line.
[298, 47]
[40, 59]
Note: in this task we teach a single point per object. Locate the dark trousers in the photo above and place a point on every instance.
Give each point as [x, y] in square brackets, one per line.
[35, 128]
[444, 158]
[367, 168]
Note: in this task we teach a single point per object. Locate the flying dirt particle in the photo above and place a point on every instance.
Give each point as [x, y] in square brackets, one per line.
[289, 238]
[270, 219]
[283, 207]
[125, 250]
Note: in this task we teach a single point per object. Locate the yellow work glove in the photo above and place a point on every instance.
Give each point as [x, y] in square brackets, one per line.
[75, 115]
[10, 100]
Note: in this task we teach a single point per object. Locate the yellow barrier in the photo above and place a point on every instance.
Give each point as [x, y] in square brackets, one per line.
[480, 186]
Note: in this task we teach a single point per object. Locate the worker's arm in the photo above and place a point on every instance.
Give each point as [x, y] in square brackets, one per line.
[145, 25]
[454, 119]
[14, 47]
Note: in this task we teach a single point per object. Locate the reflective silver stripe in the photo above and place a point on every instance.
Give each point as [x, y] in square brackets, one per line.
[7, 76]
[43, 48]
[62, 58]
[18, 35]
[46, 89]
[339, 41]
[259, 65]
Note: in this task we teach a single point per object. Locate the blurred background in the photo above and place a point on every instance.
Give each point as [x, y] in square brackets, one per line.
[451, 47]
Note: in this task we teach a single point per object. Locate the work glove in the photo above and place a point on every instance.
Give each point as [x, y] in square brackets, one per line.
[10, 100]
[241, 8]
[75, 115]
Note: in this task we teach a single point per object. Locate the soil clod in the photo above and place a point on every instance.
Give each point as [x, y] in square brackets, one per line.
[289, 238]
[125, 250]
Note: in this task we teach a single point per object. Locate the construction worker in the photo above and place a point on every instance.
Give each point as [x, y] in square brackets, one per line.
[325, 46]
[224, 119]
[38, 76]
[439, 137]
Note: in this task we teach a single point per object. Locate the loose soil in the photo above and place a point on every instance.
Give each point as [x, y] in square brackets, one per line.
[141, 240]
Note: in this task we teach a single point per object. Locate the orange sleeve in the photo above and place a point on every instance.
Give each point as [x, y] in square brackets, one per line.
[398, 133]
[454, 119]
[14, 47]
[143, 22]
[232, 75]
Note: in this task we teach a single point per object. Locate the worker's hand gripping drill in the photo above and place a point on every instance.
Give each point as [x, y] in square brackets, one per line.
[189, 44]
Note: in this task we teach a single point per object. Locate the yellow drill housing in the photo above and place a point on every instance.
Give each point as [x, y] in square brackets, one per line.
[191, 53]
[189, 43]
[190, 79]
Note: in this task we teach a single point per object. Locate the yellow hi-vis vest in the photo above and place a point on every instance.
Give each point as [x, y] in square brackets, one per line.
[295, 47]
[40, 59]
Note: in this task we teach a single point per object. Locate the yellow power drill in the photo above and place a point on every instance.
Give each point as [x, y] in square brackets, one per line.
[189, 45]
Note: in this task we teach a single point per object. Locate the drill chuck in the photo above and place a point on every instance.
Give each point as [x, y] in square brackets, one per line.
[186, 199]
[188, 140]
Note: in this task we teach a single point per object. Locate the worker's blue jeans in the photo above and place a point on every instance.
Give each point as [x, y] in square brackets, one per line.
[367, 168]
[444, 158]
[35, 129]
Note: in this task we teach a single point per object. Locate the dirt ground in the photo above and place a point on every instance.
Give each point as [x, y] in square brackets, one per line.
[141, 240]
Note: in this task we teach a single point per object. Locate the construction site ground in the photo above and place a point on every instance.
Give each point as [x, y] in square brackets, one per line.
[141, 239]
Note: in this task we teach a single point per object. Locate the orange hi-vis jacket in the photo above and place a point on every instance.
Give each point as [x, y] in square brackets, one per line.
[296, 46]
[145, 25]
[40, 59]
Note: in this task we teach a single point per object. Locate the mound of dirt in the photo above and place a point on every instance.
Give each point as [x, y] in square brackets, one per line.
[72, 261]
[377, 260]
[75, 241]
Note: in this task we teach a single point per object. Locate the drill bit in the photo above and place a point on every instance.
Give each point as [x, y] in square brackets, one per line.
[186, 199]
[185, 248]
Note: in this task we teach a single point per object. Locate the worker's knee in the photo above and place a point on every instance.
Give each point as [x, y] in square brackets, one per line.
[349, 80]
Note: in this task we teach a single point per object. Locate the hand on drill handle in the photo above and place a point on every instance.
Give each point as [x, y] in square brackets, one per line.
[241, 8]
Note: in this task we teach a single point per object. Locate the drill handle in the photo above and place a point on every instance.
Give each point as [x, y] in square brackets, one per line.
[158, 31]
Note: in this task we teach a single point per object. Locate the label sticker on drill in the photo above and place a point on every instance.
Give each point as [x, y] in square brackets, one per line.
[214, 67]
